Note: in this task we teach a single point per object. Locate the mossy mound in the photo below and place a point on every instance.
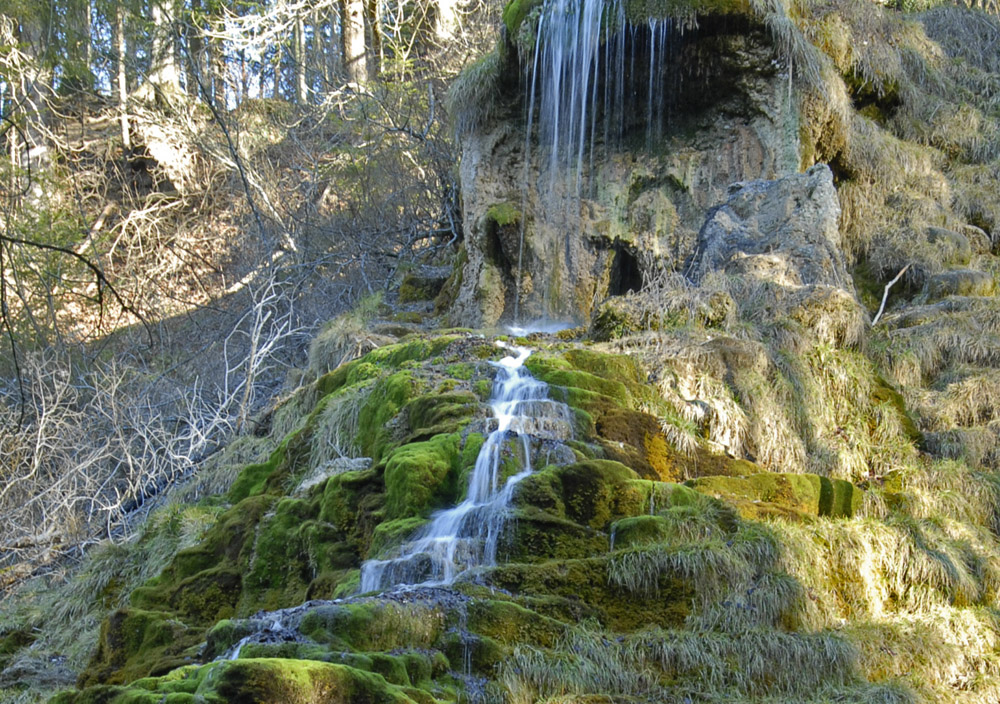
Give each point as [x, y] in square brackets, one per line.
[807, 494]
[597, 543]
[399, 405]
[268, 681]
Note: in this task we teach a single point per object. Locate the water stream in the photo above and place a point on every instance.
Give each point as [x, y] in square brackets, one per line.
[466, 536]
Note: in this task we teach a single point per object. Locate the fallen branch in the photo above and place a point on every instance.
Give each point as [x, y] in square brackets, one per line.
[885, 294]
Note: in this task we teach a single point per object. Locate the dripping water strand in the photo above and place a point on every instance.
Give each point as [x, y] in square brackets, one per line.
[525, 179]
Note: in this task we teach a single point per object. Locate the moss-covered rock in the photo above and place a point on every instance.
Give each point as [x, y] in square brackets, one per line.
[135, 643]
[292, 681]
[587, 493]
[533, 535]
[585, 583]
[421, 286]
[807, 494]
[421, 476]
[512, 624]
[959, 282]
[373, 625]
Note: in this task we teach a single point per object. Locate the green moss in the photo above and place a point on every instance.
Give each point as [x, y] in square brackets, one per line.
[553, 373]
[372, 626]
[390, 534]
[587, 492]
[281, 681]
[337, 379]
[515, 12]
[504, 214]
[643, 10]
[415, 287]
[388, 396]
[483, 388]
[135, 643]
[620, 367]
[584, 583]
[535, 535]
[277, 571]
[361, 372]
[421, 476]
[202, 584]
[449, 292]
[882, 392]
[512, 624]
[808, 494]
[344, 494]
[417, 350]
[439, 412]
[14, 639]
[386, 358]
[613, 321]
[411, 317]
[461, 370]
[252, 479]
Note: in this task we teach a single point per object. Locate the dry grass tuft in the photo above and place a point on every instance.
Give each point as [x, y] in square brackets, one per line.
[344, 338]
[336, 429]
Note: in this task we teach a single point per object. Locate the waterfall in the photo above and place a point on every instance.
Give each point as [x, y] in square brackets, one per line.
[567, 68]
[464, 537]
[583, 74]
[585, 88]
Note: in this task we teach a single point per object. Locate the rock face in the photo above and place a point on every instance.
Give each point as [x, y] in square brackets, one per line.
[553, 245]
[784, 231]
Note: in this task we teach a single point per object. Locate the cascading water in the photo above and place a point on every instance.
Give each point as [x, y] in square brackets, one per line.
[585, 87]
[584, 73]
[465, 537]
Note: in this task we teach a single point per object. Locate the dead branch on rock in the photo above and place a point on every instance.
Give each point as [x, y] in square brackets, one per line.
[885, 294]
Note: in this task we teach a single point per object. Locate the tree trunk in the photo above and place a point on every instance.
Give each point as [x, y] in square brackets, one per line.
[76, 72]
[353, 39]
[299, 59]
[196, 63]
[373, 25]
[316, 50]
[446, 21]
[163, 72]
[121, 51]
[217, 65]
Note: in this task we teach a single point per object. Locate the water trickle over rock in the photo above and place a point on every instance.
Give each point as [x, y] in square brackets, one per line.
[466, 536]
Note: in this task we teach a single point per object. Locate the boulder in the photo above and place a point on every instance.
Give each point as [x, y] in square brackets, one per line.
[959, 282]
[423, 285]
[783, 231]
[979, 240]
[950, 247]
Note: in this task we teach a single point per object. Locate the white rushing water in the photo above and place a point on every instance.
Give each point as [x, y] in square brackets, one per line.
[464, 537]
[585, 85]
[566, 71]
[592, 78]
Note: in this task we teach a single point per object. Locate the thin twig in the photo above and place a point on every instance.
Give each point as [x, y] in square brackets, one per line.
[885, 294]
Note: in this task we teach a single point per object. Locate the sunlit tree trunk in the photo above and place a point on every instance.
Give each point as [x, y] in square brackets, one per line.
[353, 40]
[299, 59]
[163, 72]
[121, 51]
[446, 21]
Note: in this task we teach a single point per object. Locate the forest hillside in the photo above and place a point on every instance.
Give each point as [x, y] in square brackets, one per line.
[564, 351]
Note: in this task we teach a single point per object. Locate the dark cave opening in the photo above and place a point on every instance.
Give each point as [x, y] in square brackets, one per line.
[625, 274]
